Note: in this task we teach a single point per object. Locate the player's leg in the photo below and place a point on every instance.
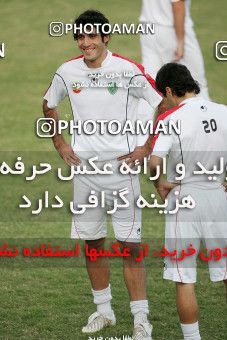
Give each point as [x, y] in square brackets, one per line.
[215, 233]
[182, 232]
[158, 49]
[152, 61]
[91, 227]
[99, 274]
[187, 306]
[193, 59]
[98, 270]
[225, 283]
[134, 273]
[150, 56]
[184, 274]
[135, 281]
[127, 228]
[188, 310]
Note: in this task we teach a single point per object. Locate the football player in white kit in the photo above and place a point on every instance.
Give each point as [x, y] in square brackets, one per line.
[174, 39]
[202, 139]
[104, 103]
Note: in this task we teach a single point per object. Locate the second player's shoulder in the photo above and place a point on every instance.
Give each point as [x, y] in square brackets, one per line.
[217, 106]
[172, 113]
[127, 62]
[219, 110]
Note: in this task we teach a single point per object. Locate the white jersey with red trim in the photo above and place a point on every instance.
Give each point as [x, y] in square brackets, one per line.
[111, 92]
[203, 139]
[160, 12]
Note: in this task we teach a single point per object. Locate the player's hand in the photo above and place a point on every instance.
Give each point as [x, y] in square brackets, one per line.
[179, 53]
[66, 152]
[137, 156]
[225, 186]
[164, 187]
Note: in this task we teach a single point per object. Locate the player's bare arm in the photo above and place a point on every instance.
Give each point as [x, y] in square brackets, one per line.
[162, 185]
[139, 153]
[143, 151]
[65, 150]
[179, 18]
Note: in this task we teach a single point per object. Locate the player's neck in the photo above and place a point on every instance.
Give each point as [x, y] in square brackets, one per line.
[186, 96]
[97, 62]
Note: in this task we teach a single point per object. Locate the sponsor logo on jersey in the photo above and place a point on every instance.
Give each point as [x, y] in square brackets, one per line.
[76, 87]
[203, 108]
[112, 88]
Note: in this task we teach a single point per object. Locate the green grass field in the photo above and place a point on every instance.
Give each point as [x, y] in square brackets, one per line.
[53, 300]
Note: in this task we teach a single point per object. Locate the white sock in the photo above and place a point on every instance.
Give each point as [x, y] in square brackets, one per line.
[191, 331]
[102, 299]
[139, 310]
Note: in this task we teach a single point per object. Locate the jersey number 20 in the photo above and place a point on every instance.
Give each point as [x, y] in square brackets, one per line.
[209, 126]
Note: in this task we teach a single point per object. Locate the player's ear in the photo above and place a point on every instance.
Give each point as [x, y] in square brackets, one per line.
[106, 39]
[169, 91]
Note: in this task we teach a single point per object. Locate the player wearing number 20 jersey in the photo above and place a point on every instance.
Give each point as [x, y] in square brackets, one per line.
[203, 126]
[202, 149]
[196, 170]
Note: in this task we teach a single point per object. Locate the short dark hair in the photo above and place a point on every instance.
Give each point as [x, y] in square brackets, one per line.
[91, 16]
[178, 78]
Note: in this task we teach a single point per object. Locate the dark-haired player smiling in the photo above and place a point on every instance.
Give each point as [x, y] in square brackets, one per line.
[109, 103]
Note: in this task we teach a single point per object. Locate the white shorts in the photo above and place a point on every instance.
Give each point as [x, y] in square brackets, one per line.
[206, 223]
[92, 224]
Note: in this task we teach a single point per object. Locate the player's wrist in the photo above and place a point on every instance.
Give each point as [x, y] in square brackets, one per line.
[60, 145]
[180, 41]
[144, 150]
